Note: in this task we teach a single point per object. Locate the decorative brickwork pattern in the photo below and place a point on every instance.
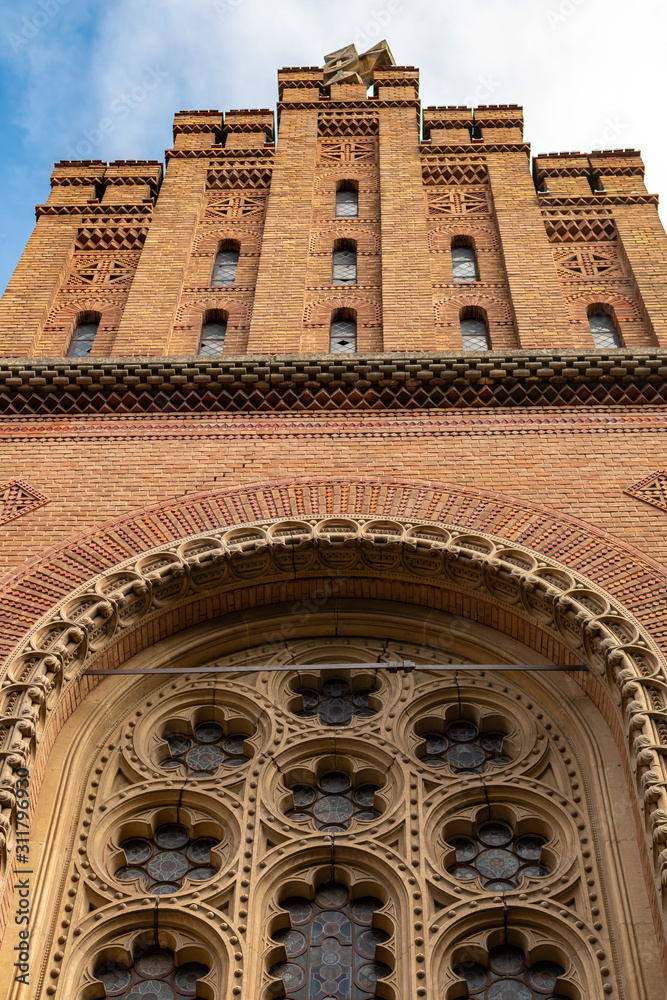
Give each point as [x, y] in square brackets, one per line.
[651, 490]
[18, 498]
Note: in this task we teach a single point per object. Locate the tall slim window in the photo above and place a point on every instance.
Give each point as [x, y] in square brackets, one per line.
[343, 336]
[474, 334]
[83, 338]
[464, 264]
[224, 269]
[213, 332]
[344, 270]
[603, 330]
[347, 203]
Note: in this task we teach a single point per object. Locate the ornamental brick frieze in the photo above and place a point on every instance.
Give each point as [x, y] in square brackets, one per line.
[586, 622]
[316, 382]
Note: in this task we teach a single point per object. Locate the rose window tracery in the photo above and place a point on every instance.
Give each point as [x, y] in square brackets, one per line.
[332, 802]
[161, 864]
[464, 748]
[498, 856]
[336, 703]
[204, 751]
[509, 978]
[330, 946]
[153, 975]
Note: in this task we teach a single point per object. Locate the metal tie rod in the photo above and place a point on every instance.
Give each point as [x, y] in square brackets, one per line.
[391, 666]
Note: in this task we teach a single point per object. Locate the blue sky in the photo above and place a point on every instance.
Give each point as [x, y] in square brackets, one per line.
[589, 73]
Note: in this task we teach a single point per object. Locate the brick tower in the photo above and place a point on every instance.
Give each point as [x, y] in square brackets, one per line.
[339, 447]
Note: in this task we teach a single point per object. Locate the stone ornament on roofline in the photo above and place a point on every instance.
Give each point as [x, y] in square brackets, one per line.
[347, 66]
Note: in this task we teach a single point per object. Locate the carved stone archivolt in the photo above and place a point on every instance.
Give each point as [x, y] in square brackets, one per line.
[248, 919]
[583, 623]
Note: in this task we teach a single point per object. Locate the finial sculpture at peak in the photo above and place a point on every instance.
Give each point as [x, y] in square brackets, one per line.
[347, 66]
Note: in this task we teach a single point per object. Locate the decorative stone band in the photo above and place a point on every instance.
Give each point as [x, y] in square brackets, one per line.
[588, 624]
[333, 382]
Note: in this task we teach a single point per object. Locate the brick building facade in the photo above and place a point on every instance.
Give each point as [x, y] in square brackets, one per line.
[354, 385]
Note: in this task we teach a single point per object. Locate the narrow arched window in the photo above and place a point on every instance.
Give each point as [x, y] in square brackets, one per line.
[464, 264]
[347, 201]
[213, 332]
[83, 337]
[344, 270]
[343, 336]
[224, 269]
[603, 330]
[474, 331]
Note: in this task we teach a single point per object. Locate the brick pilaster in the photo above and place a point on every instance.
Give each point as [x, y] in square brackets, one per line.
[407, 310]
[153, 300]
[644, 244]
[32, 289]
[281, 281]
[540, 312]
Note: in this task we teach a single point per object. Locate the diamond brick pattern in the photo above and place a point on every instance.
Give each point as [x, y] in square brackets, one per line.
[651, 490]
[18, 498]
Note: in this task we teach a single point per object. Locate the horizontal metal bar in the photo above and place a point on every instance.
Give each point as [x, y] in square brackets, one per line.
[391, 666]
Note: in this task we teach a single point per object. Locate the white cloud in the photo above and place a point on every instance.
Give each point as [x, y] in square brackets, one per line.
[583, 69]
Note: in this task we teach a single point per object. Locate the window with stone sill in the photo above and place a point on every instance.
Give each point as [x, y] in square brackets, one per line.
[224, 269]
[508, 977]
[464, 264]
[213, 333]
[474, 335]
[153, 975]
[330, 946]
[347, 203]
[603, 330]
[344, 269]
[343, 336]
[204, 750]
[83, 338]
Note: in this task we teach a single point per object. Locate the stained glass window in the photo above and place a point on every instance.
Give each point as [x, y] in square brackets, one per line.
[161, 864]
[474, 335]
[332, 802]
[224, 269]
[330, 947]
[464, 264]
[343, 336]
[499, 857]
[603, 330]
[152, 976]
[464, 749]
[82, 340]
[509, 978]
[336, 703]
[204, 751]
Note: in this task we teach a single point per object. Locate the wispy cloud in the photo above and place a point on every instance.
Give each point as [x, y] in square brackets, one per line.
[595, 66]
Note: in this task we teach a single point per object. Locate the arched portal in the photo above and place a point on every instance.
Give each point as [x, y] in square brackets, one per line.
[362, 589]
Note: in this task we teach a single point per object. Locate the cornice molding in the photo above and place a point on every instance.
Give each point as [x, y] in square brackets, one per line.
[281, 383]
